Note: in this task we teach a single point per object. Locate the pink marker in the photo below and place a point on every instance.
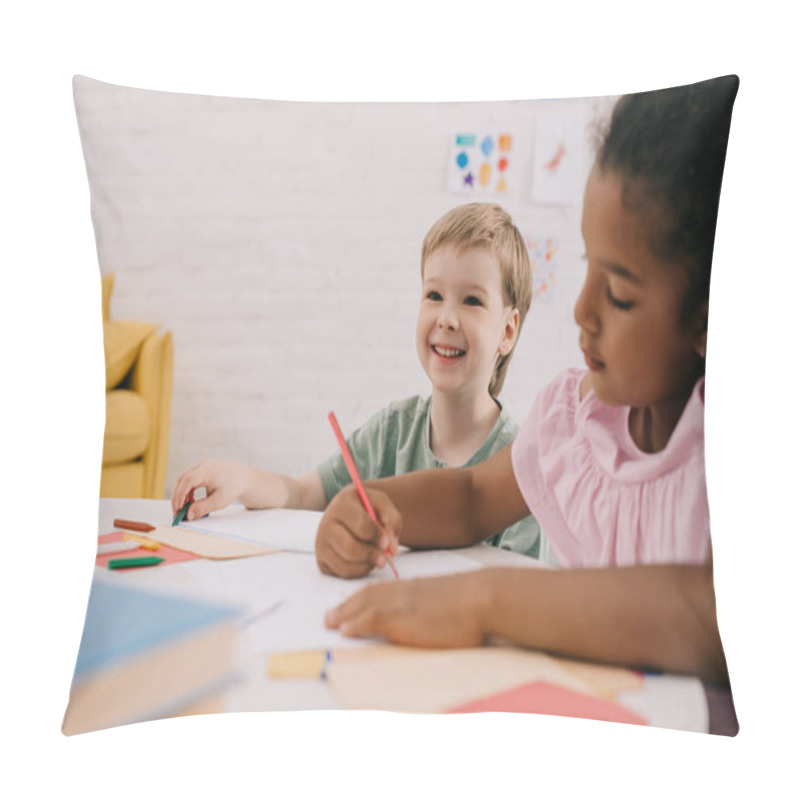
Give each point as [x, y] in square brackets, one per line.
[362, 492]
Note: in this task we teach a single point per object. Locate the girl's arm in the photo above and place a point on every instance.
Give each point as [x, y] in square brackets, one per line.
[661, 616]
[425, 509]
[227, 481]
[456, 507]
[650, 616]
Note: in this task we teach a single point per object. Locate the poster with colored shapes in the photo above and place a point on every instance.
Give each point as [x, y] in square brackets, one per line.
[542, 253]
[480, 163]
[558, 157]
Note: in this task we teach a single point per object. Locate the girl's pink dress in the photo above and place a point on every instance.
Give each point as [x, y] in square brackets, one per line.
[599, 499]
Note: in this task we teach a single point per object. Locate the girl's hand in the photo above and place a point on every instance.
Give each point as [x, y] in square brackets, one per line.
[224, 482]
[450, 611]
[349, 544]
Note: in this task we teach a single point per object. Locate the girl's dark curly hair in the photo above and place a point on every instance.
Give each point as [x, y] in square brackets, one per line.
[668, 147]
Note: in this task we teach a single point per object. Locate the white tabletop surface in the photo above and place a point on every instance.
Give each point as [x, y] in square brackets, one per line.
[254, 691]
[282, 599]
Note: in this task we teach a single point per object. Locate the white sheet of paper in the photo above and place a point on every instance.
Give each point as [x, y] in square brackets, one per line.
[274, 527]
[248, 582]
[284, 596]
[671, 701]
[298, 624]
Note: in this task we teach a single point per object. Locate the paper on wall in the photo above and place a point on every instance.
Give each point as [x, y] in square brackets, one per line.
[481, 163]
[559, 156]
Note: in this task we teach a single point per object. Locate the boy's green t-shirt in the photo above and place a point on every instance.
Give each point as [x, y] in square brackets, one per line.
[396, 440]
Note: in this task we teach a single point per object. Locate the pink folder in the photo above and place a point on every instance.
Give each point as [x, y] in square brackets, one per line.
[541, 697]
[171, 555]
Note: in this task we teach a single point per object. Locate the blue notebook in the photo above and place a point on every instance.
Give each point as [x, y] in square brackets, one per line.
[123, 621]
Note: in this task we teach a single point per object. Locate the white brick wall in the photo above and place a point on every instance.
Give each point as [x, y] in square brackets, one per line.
[279, 242]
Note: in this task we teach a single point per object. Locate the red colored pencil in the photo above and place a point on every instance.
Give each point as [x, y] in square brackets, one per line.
[362, 493]
[142, 527]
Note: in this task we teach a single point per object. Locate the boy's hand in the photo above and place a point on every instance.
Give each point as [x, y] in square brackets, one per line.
[427, 612]
[224, 482]
[349, 544]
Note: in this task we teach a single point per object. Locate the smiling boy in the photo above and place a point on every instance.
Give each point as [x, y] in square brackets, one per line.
[476, 292]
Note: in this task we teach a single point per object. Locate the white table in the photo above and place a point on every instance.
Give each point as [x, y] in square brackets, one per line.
[255, 691]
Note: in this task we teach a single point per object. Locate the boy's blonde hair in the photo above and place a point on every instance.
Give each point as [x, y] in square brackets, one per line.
[489, 226]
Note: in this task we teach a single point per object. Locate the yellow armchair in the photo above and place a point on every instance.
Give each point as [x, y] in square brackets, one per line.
[139, 365]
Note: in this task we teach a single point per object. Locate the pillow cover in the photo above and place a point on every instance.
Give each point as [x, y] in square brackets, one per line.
[280, 243]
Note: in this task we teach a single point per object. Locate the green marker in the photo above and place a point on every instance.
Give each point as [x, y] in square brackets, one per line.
[181, 515]
[141, 561]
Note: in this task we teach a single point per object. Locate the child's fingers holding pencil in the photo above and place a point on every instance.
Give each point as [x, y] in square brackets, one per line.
[223, 482]
[185, 486]
[354, 560]
[341, 553]
[389, 521]
[349, 543]
[383, 531]
[385, 542]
